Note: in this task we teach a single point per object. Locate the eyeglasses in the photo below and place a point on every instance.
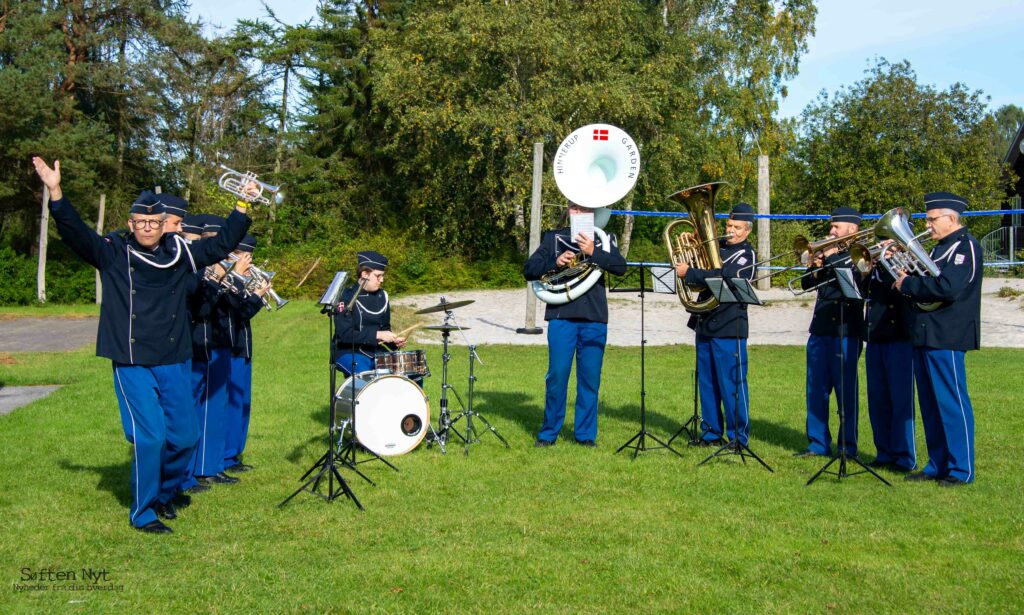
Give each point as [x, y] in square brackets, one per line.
[147, 224]
[932, 219]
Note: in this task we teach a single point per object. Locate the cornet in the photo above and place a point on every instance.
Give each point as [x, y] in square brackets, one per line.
[235, 183]
[257, 278]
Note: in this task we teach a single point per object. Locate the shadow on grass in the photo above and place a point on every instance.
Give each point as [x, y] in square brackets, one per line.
[780, 435]
[657, 424]
[114, 479]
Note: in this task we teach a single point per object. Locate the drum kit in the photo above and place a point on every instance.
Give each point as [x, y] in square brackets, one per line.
[393, 410]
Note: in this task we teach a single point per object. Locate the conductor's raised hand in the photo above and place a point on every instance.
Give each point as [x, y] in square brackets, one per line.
[50, 177]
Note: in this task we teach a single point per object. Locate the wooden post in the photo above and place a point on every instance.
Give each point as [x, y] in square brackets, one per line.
[44, 225]
[99, 231]
[764, 225]
[531, 327]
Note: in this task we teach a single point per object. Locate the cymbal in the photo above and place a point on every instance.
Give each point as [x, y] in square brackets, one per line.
[446, 328]
[444, 306]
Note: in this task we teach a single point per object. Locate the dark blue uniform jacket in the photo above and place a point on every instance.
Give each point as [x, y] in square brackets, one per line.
[360, 321]
[592, 306]
[834, 315]
[888, 312]
[243, 309]
[144, 318]
[728, 319]
[213, 324]
[957, 324]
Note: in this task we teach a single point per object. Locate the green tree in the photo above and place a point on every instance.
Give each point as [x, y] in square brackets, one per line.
[887, 140]
[1008, 120]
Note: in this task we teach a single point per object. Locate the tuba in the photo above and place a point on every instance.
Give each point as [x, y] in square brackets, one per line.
[595, 166]
[694, 240]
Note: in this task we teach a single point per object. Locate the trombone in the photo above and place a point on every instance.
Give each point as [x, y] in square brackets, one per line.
[235, 183]
[804, 251]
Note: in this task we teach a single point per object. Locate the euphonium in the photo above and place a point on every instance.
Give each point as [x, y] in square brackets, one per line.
[694, 240]
[905, 254]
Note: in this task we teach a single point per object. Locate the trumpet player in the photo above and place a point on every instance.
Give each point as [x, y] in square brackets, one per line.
[886, 357]
[942, 336]
[722, 336]
[144, 332]
[212, 340]
[243, 308]
[834, 345]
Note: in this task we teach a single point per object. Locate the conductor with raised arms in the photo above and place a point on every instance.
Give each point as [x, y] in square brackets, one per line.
[144, 331]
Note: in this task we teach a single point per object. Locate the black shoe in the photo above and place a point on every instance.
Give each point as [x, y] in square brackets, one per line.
[918, 476]
[587, 443]
[155, 527]
[709, 443]
[219, 478]
[166, 511]
[181, 501]
[900, 469]
[543, 443]
[951, 481]
[238, 468]
[879, 465]
[808, 453]
[201, 486]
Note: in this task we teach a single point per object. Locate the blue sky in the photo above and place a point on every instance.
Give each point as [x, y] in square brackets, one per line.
[979, 43]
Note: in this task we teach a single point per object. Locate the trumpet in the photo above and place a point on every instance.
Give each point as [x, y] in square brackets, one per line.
[235, 183]
[260, 277]
[225, 281]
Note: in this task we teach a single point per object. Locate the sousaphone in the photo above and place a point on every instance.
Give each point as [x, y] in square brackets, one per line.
[595, 166]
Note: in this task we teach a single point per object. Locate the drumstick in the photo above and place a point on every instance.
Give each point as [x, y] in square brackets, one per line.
[405, 332]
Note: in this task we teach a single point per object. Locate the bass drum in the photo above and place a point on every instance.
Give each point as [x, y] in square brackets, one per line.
[392, 413]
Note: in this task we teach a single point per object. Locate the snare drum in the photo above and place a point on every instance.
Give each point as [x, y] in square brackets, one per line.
[408, 363]
[392, 413]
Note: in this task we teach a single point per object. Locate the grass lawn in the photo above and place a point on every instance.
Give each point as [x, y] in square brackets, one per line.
[565, 529]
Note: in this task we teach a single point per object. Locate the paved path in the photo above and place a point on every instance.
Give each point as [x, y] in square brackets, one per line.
[47, 334]
[12, 398]
[495, 315]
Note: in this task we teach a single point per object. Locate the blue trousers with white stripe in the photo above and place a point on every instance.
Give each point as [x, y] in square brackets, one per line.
[722, 380]
[210, 396]
[827, 371]
[345, 360]
[236, 430]
[585, 341]
[157, 417]
[891, 402]
[946, 413]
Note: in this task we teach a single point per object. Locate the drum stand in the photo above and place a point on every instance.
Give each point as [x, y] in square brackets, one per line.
[472, 435]
[444, 421]
[328, 463]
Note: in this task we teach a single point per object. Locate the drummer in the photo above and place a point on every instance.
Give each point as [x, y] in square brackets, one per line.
[363, 326]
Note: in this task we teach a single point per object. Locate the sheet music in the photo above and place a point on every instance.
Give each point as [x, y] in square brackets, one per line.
[582, 222]
[663, 280]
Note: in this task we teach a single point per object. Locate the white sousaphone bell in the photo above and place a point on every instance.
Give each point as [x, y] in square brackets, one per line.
[595, 166]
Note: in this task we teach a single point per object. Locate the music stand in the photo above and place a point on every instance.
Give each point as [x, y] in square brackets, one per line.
[328, 463]
[639, 441]
[848, 288]
[734, 290]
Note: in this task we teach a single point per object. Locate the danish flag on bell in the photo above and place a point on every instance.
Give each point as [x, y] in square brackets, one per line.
[600, 134]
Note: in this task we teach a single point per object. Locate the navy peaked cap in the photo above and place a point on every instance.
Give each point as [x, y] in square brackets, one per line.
[248, 243]
[846, 214]
[945, 200]
[371, 259]
[147, 203]
[192, 224]
[743, 212]
[174, 205]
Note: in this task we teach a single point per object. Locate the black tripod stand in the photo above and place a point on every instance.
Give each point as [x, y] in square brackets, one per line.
[736, 290]
[639, 441]
[849, 290]
[472, 433]
[692, 426]
[328, 463]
